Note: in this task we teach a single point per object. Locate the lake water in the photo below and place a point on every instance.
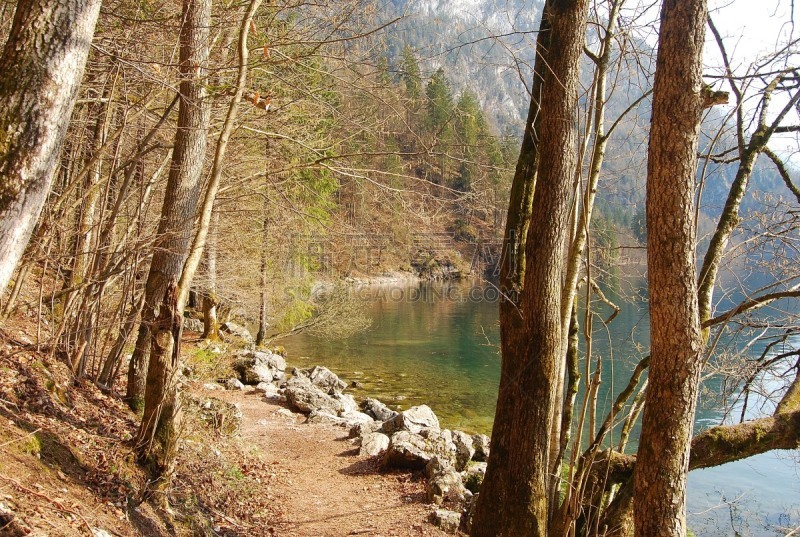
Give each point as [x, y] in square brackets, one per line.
[438, 344]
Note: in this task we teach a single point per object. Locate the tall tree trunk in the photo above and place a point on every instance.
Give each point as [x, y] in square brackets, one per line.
[675, 338]
[156, 441]
[578, 241]
[211, 300]
[514, 495]
[114, 357]
[79, 331]
[40, 72]
[137, 370]
[207, 209]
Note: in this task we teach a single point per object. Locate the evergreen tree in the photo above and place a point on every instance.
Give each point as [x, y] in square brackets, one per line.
[439, 101]
[410, 74]
[383, 71]
[468, 123]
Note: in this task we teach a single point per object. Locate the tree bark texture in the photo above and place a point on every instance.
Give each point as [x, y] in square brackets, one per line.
[210, 299]
[675, 338]
[40, 73]
[158, 433]
[514, 495]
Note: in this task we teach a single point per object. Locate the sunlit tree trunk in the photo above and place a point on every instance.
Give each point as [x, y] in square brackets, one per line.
[112, 361]
[514, 497]
[158, 434]
[211, 300]
[207, 213]
[675, 341]
[40, 72]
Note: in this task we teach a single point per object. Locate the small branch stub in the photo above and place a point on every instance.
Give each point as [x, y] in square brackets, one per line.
[712, 98]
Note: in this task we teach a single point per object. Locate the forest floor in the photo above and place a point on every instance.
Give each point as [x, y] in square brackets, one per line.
[67, 465]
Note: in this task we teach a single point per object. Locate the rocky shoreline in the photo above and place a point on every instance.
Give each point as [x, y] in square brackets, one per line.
[452, 461]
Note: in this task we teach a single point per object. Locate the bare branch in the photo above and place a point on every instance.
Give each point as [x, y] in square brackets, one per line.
[751, 304]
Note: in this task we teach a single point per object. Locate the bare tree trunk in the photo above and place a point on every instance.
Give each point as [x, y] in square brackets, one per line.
[207, 209]
[578, 241]
[514, 497]
[79, 332]
[676, 362]
[114, 357]
[134, 390]
[211, 300]
[40, 72]
[156, 441]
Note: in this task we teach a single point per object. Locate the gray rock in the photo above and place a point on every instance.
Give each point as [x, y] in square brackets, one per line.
[211, 386]
[192, 325]
[436, 465]
[348, 403]
[348, 419]
[469, 513]
[377, 410]
[413, 420]
[234, 384]
[445, 484]
[441, 443]
[274, 360]
[465, 449]
[323, 378]
[449, 521]
[481, 444]
[413, 451]
[237, 330]
[269, 390]
[373, 444]
[407, 450]
[320, 416]
[255, 367]
[473, 476]
[305, 397]
[363, 429]
[354, 418]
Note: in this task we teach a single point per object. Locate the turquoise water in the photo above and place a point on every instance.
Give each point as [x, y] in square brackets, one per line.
[438, 344]
[426, 344]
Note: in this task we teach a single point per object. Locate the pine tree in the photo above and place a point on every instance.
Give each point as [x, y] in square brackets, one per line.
[410, 74]
[439, 100]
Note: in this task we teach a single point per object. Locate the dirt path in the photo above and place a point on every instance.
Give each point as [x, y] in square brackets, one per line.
[324, 487]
